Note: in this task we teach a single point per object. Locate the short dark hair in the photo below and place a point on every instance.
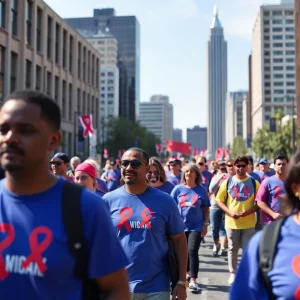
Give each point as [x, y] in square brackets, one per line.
[201, 156]
[50, 111]
[280, 157]
[250, 158]
[241, 158]
[144, 154]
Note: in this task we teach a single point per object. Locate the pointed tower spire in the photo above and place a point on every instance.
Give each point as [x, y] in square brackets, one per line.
[216, 22]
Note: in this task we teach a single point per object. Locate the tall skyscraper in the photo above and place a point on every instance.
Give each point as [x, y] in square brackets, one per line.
[126, 29]
[217, 85]
[157, 116]
[236, 116]
[273, 62]
[297, 28]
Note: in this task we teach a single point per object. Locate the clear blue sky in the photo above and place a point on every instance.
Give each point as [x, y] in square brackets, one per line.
[174, 36]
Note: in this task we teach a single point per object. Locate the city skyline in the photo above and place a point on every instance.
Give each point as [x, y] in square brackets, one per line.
[164, 39]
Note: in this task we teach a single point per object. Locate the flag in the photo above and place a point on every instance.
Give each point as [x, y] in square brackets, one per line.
[179, 155]
[195, 152]
[120, 153]
[105, 153]
[174, 146]
[87, 124]
[158, 148]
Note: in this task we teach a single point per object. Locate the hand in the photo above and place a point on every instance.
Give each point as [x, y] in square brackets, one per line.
[179, 292]
[234, 215]
[276, 216]
[204, 230]
[243, 213]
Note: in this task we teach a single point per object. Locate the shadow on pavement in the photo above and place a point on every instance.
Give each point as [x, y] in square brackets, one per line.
[209, 270]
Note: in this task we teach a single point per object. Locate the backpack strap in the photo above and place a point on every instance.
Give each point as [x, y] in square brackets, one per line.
[267, 252]
[254, 186]
[73, 223]
[227, 186]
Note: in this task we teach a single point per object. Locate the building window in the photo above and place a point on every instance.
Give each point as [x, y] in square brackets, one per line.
[70, 54]
[277, 76]
[290, 52]
[70, 102]
[83, 103]
[14, 17]
[110, 81]
[278, 99]
[278, 68]
[277, 60]
[289, 13]
[267, 46]
[38, 78]
[277, 37]
[93, 72]
[49, 38]
[64, 50]
[110, 95]
[89, 66]
[266, 77]
[79, 61]
[290, 29]
[268, 109]
[277, 45]
[290, 68]
[78, 100]
[102, 95]
[277, 52]
[278, 92]
[291, 92]
[290, 76]
[28, 74]
[277, 29]
[266, 13]
[39, 16]
[266, 30]
[290, 83]
[277, 21]
[277, 13]
[49, 83]
[56, 89]
[278, 83]
[290, 60]
[2, 13]
[102, 74]
[289, 37]
[57, 42]
[290, 45]
[13, 71]
[29, 22]
[267, 99]
[102, 81]
[267, 84]
[110, 74]
[289, 21]
[64, 95]
[84, 65]
[267, 92]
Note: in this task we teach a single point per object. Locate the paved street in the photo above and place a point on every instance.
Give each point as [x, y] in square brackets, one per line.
[213, 275]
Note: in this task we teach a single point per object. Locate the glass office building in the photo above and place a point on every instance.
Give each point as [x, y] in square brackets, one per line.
[126, 30]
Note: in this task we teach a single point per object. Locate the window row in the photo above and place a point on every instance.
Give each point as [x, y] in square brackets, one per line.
[280, 68]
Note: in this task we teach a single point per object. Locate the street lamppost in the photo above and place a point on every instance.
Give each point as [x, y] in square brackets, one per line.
[76, 113]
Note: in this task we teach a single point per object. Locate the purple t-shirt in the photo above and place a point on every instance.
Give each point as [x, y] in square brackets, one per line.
[269, 192]
[191, 203]
[34, 250]
[263, 175]
[167, 187]
[142, 223]
[174, 179]
[206, 178]
[285, 275]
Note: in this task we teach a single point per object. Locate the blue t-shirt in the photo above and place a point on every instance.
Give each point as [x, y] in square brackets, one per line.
[112, 179]
[167, 187]
[34, 250]
[191, 203]
[285, 275]
[263, 175]
[206, 178]
[255, 176]
[142, 223]
[101, 186]
[174, 179]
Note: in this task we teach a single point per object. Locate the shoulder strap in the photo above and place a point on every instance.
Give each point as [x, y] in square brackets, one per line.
[254, 186]
[73, 223]
[267, 252]
[227, 186]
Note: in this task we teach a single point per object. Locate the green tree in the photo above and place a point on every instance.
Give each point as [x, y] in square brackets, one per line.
[238, 147]
[261, 142]
[123, 134]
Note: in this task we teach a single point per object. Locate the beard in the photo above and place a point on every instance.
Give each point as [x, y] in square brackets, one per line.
[12, 168]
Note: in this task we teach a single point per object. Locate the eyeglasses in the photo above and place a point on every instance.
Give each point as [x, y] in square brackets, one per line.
[229, 166]
[135, 163]
[201, 164]
[56, 163]
[241, 166]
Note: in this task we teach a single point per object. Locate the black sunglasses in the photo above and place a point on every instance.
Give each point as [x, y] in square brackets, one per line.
[201, 164]
[135, 164]
[56, 163]
[241, 166]
[229, 166]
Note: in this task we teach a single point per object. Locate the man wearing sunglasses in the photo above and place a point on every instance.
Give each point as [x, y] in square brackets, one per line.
[206, 175]
[236, 197]
[144, 217]
[112, 176]
[59, 165]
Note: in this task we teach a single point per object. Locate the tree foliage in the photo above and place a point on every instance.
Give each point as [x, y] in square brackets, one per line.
[238, 147]
[123, 134]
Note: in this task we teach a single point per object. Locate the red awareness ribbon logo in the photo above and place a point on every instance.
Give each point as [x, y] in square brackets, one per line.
[125, 214]
[37, 249]
[296, 270]
[9, 230]
[236, 191]
[246, 191]
[183, 198]
[278, 191]
[146, 217]
[195, 198]
[86, 122]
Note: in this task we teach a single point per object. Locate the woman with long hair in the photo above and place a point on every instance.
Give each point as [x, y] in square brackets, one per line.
[193, 203]
[157, 176]
[284, 276]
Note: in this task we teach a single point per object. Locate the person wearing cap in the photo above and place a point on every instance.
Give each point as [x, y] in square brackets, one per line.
[174, 175]
[85, 174]
[59, 165]
[264, 169]
[112, 176]
[216, 213]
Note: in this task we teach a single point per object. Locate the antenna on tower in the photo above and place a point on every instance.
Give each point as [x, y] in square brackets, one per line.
[215, 10]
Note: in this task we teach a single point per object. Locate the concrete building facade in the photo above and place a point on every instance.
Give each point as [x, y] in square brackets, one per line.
[177, 135]
[273, 62]
[217, 85]
[297, 32]
[197, 136]
[38, 50]
[157, 116]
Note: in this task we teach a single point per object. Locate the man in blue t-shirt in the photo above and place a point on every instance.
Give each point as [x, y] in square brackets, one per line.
[35, 261]
[112, 176]
[144, 217]
[264, 169]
